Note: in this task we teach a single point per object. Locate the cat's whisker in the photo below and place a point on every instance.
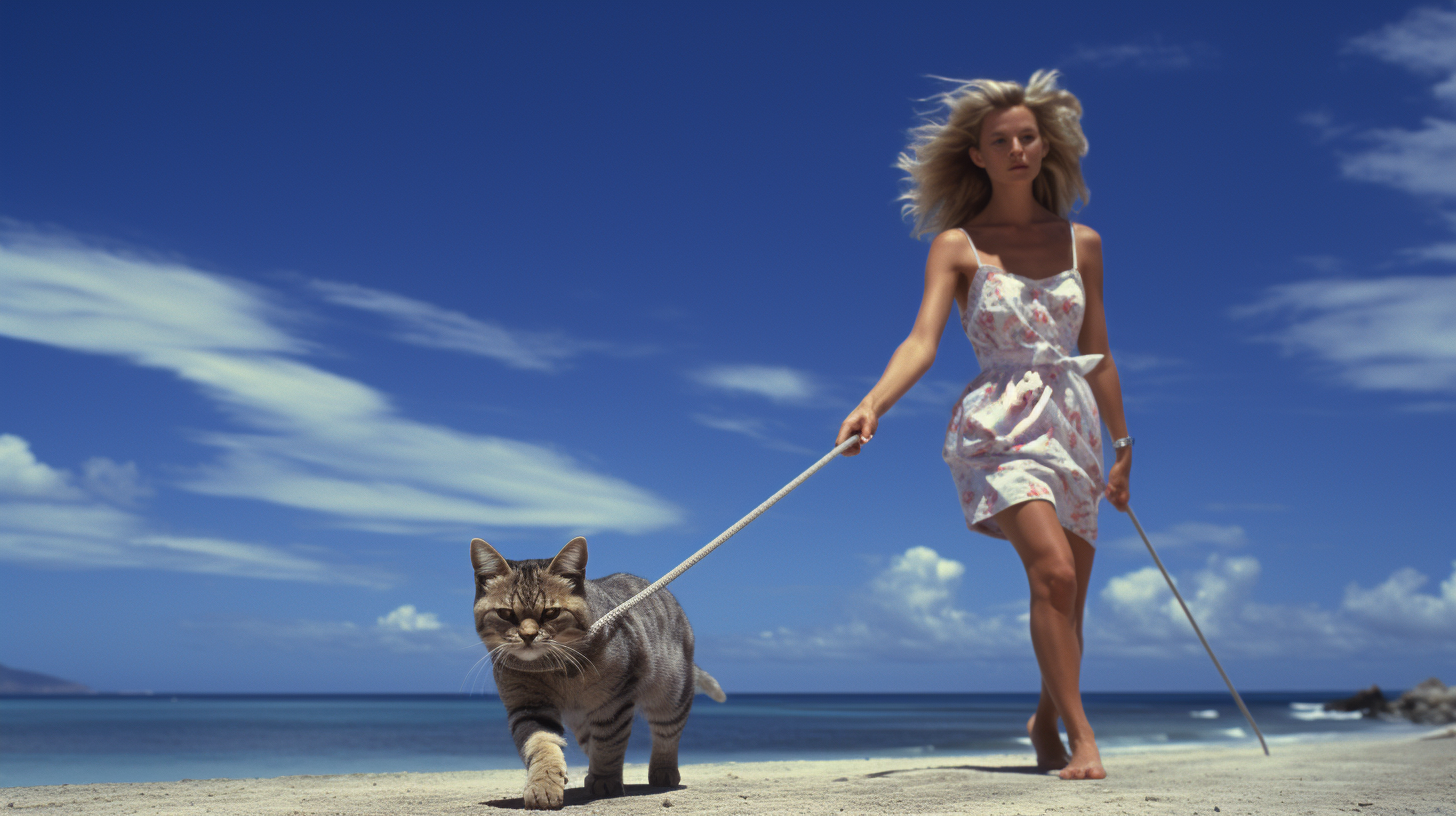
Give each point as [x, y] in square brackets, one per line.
[564, 657]
[474, 670]
[579, 655]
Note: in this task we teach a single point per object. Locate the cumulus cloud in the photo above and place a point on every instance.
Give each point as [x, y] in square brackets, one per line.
[778, 383]
[1398, 608]
[908, 611]
[315, 440]
[1391, 334]
[22, 475]
[408, 619]
[1152, 54]
[425, 324]
[1213, 594]
[1140, 617]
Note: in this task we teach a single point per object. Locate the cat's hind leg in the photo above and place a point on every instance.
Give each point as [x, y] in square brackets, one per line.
[603, 737]
[537, 734]
[667, 718]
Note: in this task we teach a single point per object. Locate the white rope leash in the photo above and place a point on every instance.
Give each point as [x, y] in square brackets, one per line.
[621, 609]
[1199, 632]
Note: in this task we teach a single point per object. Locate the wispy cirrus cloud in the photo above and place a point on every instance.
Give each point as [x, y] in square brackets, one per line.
[425, 324]
[780, 384]
[755, 429]
[48, 519]
[1421, 41]
[1420, 161]
[1189, 534]
[1390, 334]
[1149, 54]
[312, 439]
[404, 630]
[1394, 333]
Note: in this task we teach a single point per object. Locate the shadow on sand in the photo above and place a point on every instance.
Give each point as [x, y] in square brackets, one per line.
[1006, 769]
[578, 796]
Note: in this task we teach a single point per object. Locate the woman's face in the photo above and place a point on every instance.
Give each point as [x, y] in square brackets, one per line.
[1011, 146]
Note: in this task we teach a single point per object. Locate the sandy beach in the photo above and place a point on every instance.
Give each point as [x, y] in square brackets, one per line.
[1413, 776]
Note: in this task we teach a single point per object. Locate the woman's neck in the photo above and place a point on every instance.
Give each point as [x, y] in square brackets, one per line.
[1014, 206]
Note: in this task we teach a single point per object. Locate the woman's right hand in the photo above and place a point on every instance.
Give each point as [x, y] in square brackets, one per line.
[862, 421]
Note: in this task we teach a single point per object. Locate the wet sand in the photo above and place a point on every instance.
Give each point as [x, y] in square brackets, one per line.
[1349, 776]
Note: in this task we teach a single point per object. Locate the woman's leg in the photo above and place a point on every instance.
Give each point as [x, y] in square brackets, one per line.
[1059, 570]
[1042, 727]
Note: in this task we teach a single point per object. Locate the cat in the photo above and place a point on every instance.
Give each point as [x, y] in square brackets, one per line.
[534, 616]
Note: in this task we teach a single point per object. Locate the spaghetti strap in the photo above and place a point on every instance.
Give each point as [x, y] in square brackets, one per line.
[1074, 244]
[973, 246]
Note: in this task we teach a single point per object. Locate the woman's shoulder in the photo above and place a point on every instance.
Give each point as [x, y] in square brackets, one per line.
[952, 242]
[1089, 243]
[955, 236]
[1086, 235]
[953, 252]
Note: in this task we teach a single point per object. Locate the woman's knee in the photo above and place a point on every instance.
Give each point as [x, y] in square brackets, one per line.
[1054, 580]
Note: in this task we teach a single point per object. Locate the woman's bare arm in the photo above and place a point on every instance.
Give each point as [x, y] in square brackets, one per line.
[949, 253]
[1106, 386]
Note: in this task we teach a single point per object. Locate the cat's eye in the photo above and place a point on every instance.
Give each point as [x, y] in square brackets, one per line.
[507, 615]
[548, 614]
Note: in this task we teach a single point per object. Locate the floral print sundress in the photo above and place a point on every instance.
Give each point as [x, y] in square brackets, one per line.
[1027, 428]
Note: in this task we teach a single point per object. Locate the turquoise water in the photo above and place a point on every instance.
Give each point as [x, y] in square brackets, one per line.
[76, 740]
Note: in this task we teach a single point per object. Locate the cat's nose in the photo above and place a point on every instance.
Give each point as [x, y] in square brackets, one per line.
[529, 630]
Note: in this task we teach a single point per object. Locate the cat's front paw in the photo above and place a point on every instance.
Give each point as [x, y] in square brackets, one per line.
[545, 791]
[545, 772]
[599, 786]
[663, 777]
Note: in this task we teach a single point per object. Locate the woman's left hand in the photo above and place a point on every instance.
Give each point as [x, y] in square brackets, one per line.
[1117, 490]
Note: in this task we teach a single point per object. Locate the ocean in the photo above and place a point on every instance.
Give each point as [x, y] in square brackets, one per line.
[154, 738]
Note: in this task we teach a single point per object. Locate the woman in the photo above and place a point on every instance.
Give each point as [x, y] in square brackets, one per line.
[996, 181]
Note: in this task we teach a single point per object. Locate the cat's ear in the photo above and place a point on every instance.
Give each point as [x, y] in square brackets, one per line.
[570, 563]
[488, 563]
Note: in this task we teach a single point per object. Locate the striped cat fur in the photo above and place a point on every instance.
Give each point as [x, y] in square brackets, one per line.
[534, 616]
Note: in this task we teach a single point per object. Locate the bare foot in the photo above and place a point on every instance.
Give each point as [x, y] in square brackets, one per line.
[1050, 753]
[1086, 763]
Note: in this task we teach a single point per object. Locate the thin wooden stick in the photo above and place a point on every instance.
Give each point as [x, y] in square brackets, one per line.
[1197, 631]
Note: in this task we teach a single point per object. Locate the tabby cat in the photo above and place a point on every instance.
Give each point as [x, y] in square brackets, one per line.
[534, 616]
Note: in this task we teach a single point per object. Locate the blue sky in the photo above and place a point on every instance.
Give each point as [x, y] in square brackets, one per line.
[296, 300]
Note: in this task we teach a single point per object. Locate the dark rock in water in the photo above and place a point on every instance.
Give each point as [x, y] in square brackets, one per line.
[1430, 703]
[18, 681]
[1371, 701]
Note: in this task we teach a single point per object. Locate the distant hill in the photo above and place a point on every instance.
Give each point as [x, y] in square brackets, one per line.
[18, 681]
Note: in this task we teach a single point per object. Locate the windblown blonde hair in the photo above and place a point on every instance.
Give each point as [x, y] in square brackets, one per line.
[946, 189]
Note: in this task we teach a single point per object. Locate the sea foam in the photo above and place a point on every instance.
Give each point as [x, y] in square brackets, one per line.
[1310, 712]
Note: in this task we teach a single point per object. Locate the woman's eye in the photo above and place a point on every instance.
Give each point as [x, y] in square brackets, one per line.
[548, 614]
[506, 615]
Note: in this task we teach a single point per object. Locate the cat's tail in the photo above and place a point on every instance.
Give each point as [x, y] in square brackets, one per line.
[707, 685]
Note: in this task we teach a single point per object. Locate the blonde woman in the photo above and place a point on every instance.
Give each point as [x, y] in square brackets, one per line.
[995, 181]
